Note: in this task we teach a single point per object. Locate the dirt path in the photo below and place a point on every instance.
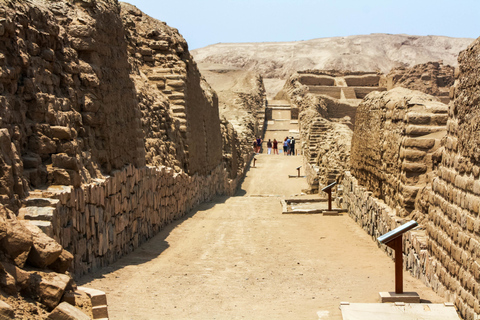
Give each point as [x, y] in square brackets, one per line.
[240, 258]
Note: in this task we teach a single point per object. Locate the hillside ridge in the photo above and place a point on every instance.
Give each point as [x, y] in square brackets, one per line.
[374, 52]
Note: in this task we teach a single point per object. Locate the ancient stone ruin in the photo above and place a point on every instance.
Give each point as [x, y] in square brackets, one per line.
[110, 131]
[404, 154]
[425, 167]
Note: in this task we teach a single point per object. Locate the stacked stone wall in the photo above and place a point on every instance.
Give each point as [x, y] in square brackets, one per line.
[104, 220]
[327, 151]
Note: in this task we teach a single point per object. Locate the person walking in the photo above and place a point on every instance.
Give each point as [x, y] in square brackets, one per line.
[255, 145]
[269, 146]
[275, 146]
[259, 144]
[285, 147]
[288, 146]
[292, 146]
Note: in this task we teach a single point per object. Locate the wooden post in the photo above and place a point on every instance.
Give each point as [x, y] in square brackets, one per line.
[254, 160]
[329, 199]
[328, 190]
[298, 169]
[397, 246]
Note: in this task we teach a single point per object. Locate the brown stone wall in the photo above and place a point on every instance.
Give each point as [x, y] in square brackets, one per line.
[89, 87]
[368, 80]
[326, 152]
[188, 119]
[395, 144]
[448, 198]
[316, 80]
[65, 90]
[449, 205]
[102, 221]
[92, 92]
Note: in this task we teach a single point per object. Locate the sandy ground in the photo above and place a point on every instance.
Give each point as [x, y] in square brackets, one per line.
[240, 258]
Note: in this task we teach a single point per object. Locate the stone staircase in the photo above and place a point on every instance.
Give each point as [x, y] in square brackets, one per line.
[313, 139]
[171, 82]
[348, 93]
[280, 123]
[41, 207]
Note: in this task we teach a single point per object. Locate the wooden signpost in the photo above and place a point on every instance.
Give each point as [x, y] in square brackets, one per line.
[394, 240]
[328, 190]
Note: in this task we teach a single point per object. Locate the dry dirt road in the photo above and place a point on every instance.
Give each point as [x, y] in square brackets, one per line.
[240, 258]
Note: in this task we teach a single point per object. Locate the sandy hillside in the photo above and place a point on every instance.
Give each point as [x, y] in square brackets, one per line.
[357, 53]
[235, 88]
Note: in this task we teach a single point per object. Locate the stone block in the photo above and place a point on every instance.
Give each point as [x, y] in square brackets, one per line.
[159, 45]
[65, 311]
[424, 143]
[45, 250]
[62, 160]
[414, 167]
[16, 241]
[37, 213]
[418, 118]
[6, 311]
[61, 133]
[49, 287]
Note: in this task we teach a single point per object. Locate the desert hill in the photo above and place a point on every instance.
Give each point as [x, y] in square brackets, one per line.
[374, 52]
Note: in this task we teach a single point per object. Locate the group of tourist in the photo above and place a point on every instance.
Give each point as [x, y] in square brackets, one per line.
[288, 146]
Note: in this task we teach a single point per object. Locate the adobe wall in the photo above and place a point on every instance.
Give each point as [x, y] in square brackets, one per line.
[376, 218]
[433, 78]
[395, 144]
[448, 197]
[450, 203]
[327, 151]
[89, 88]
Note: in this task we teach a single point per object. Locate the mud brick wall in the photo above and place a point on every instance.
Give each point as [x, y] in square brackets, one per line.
[450, 203]
[396, 144]
[447, 202]
[102, 221]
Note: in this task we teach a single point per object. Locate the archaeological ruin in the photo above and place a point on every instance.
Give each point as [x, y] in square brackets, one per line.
[110, 131]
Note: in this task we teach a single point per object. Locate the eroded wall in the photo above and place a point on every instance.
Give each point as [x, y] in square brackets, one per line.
[104, 109]
[395, 144]
[446, 201]
[450, 203]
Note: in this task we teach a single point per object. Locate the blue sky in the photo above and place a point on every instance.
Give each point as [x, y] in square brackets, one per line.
[205, 22]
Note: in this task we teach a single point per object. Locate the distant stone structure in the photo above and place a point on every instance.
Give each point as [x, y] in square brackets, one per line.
[341, 84]
[327, 102]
